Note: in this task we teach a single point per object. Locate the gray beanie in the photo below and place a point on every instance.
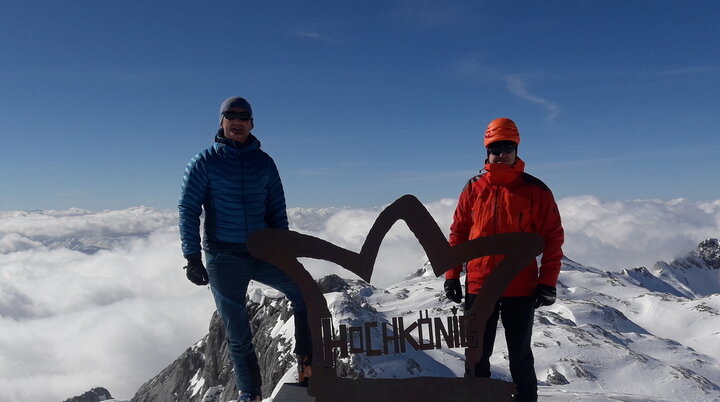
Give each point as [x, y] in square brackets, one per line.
[235, 101]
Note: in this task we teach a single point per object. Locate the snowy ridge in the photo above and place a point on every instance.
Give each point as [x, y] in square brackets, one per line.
[628, 333]
[696, 274]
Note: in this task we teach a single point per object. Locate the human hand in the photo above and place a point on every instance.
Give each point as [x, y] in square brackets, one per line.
[453, 290]
[195, 271]
[545, 295]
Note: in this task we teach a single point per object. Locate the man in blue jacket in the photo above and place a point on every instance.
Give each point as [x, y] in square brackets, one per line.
[239, 188]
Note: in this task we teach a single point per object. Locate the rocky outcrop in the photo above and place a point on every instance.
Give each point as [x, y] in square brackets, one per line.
[94, 395]
[204, 372]
[207, 364]
[332, 283]
[709, 252]
[554, 377]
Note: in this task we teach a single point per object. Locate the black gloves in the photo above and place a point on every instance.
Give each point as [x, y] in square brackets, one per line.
[453, 290]
[195, 271]
[544, 295]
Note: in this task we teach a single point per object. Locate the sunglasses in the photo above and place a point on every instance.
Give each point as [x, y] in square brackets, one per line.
[505, 149]
[244, 116]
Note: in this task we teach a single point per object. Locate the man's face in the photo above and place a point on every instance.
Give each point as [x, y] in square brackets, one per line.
[502, 152]
[237, 129]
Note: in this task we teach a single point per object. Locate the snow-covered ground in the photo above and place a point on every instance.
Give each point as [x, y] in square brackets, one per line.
[607, 337]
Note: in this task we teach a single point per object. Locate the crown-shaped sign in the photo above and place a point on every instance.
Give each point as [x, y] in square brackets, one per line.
[283, 248]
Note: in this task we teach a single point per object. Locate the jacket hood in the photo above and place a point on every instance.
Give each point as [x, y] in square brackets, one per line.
[252, 142]
[501, 174]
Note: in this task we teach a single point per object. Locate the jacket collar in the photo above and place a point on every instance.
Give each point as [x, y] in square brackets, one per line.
[252, 142]
[501, 174]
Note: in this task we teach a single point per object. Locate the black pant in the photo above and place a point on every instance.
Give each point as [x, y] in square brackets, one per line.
[517, 314]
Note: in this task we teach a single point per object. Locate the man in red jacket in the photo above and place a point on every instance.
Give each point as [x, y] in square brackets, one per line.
[505, 199]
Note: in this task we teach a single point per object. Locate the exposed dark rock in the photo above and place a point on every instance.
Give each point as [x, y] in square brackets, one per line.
[332, 283]
[96, 394]
[416, 274]
[426, 268]
[709, 251]
[556, 378]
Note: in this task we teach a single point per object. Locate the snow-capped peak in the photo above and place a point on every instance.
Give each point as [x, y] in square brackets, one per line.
[696, 274]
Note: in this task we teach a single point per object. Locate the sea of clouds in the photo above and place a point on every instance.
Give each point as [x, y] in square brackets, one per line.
[100, 299]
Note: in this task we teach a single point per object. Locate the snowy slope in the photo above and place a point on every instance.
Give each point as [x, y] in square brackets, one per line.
[629, 336]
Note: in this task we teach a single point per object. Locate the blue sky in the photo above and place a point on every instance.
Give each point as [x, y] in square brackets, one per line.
[103, 102]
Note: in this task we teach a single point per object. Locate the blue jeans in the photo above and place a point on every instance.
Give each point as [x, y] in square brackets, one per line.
[230, 269]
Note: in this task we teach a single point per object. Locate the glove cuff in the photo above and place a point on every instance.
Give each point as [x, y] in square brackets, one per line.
[194, 257]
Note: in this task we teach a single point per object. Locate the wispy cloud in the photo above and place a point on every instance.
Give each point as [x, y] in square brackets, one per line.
[519, 88]
[430, 12]
[310, 34]
[622, 157]
[314, 171]
[577, 163]
[405, 176]
[688, 70]
[514, 84]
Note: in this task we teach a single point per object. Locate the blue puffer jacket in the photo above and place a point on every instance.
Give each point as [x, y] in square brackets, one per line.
[238, 186]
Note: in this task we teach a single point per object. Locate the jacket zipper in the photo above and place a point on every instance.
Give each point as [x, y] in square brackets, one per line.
[242, 188]
[494, 259]
[495, 211]
[520, 222]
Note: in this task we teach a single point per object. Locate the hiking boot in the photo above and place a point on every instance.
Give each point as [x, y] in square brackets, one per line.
[304, 369]
[249, 397]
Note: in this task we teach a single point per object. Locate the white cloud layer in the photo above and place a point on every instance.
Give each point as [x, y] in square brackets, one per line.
[111, 316]
[616, 235]
[99, 299]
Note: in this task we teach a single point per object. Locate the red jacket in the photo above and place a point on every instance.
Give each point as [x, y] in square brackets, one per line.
[505, 200]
